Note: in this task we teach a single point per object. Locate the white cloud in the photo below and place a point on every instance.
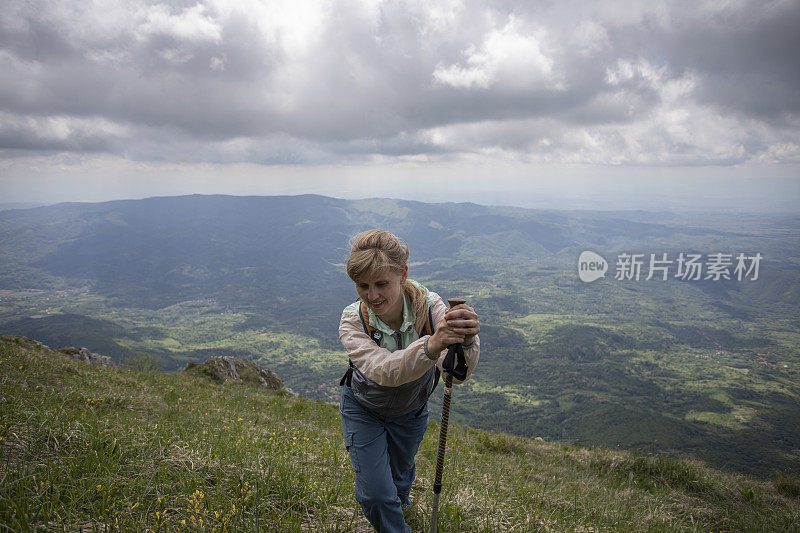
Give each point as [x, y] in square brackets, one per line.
[506, 55]
[781, 152]
[589, 37]
[217, 63]
[190, 24]
[625, 71]
[59, 132]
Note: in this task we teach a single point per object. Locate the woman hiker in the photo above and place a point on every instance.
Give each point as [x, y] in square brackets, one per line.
[396, 336]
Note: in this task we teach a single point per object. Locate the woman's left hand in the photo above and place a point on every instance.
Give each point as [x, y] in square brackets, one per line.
[464, 320]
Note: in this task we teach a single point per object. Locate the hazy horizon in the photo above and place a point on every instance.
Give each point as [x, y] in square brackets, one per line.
[743, 195]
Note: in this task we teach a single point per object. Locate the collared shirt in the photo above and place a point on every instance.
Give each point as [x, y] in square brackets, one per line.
[406, 334]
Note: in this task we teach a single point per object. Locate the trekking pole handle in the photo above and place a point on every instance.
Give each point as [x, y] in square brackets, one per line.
[456, 301]
[448, 378]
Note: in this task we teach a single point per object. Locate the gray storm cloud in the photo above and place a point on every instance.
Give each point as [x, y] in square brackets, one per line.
[652, 83]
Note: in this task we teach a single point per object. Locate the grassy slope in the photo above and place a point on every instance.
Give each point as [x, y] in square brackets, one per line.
[83, 446]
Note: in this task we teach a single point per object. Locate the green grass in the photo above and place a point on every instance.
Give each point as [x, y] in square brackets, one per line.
[90, 448]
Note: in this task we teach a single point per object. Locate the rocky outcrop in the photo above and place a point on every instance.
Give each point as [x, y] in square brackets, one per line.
[78, 353]
[87, 356]
[227, 368]
[24, 341]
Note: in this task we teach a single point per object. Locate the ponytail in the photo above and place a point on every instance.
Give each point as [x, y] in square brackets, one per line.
[418, 299]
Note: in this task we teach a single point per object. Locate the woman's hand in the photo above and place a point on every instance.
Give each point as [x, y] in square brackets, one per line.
[460, 324]
[463, 320]
[443, 337]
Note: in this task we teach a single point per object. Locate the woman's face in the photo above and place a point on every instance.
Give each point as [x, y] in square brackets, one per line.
[383, 293]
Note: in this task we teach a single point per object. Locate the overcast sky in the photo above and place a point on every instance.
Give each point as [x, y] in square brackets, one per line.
[577, 103]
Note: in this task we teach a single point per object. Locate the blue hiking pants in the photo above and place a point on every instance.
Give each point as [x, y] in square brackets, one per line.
[382, 451]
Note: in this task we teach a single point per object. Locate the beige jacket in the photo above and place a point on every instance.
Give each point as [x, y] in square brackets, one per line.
[394, 368]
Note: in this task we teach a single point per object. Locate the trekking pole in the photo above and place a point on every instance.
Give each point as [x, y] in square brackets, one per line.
[452, 351]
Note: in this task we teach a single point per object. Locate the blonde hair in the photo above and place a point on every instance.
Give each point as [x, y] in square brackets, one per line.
[377, 251]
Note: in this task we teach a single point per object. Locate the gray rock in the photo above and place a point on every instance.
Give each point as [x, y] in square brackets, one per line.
[227, 368]
[85, 355]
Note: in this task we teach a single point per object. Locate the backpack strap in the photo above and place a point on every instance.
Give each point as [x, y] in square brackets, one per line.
[373, 333]
[429, 329]
[348, 376]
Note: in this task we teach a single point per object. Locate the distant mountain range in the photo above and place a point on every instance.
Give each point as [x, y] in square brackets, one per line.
[19, 205]
[709, 368]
